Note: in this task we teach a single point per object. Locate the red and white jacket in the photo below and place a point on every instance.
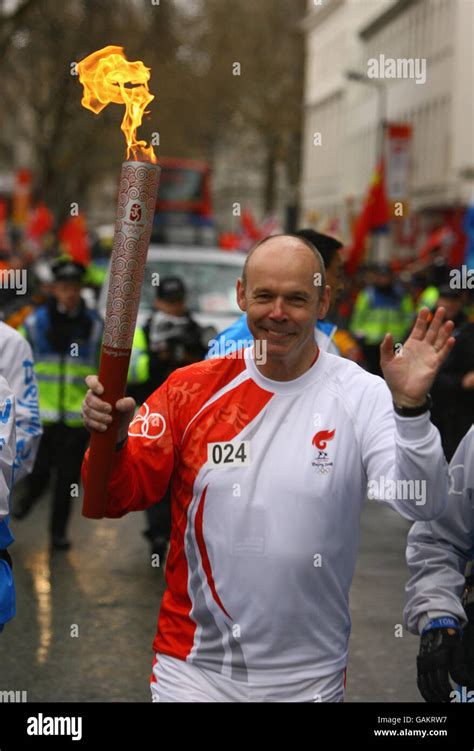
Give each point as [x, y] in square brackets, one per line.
[268, 479]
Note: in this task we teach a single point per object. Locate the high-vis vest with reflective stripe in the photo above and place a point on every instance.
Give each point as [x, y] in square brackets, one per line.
[374, 315]
[61, 376]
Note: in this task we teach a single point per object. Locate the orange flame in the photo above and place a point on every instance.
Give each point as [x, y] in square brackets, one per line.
[104, 75]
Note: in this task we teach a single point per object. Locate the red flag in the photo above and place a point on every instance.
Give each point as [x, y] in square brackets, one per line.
[250, 226]
[41, 221]
[374, 216]
[377, 200]
[73, 236]
[359, 235]
[228, 241]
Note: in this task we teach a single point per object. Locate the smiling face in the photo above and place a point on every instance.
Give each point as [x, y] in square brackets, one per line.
[283, 299]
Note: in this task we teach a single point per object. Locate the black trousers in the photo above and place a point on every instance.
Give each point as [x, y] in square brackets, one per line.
[63, 448]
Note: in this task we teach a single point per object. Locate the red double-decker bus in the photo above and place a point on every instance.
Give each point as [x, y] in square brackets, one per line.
[184, 208]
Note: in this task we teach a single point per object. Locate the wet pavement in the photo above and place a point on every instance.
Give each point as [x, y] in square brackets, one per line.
[86, 618]
[382, 664]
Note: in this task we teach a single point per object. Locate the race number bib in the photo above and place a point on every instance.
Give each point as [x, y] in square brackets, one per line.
[226, 454]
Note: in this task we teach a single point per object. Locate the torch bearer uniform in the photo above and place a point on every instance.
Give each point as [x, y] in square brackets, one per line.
[268, 479]
[17, 367]
[439, 597]
[438, 552]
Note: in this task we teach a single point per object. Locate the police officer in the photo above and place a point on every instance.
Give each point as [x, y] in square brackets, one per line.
[174, 338]
[381, 307]
[65, 337]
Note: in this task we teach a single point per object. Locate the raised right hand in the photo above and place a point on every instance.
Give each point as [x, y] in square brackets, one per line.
[97, 414]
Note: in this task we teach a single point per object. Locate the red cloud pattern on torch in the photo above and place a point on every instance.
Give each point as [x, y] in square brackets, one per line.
[138, 184]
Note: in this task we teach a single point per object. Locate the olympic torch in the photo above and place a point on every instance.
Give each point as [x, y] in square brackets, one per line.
[104, 75]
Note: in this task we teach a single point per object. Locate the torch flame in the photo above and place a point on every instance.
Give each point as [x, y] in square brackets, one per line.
[104, 75]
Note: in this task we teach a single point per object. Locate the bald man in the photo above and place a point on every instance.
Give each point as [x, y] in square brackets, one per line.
[270, 460]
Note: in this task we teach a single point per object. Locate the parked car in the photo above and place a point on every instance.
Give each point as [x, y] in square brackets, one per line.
[210, 276]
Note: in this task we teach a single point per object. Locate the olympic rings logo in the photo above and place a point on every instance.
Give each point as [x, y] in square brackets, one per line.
[323, 470]
[150, 425]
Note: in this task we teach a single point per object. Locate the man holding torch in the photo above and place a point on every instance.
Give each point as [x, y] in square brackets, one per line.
[269, 464]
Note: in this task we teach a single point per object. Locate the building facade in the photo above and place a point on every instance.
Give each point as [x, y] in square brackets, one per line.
[344, 36]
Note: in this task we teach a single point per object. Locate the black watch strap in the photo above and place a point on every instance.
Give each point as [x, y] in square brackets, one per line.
[414, 411]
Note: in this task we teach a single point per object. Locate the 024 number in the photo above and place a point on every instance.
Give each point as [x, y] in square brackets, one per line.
[227, 454]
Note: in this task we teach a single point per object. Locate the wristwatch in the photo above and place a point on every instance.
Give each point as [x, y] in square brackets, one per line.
[414, 411]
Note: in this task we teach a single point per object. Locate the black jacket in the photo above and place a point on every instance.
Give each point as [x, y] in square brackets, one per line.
[453, 406]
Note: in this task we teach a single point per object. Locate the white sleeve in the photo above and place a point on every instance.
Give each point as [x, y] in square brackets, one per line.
[7, 445]
[403, 458]
[18, 369]
[437, 552]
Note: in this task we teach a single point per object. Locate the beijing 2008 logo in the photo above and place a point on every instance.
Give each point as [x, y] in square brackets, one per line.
[135, 212]
[150, 425]
[320, 441]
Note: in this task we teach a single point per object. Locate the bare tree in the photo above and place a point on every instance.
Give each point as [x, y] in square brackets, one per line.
[72, 149]
[266, 91]
[197, 94]
[10, 22]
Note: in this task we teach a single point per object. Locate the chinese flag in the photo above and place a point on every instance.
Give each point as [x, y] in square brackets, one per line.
[374, 216]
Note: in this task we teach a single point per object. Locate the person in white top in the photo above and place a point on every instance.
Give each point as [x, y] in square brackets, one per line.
[440, 591]
[7, 460]
[17, 367]
[20, 433]
[269, 460]
[7, 445]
